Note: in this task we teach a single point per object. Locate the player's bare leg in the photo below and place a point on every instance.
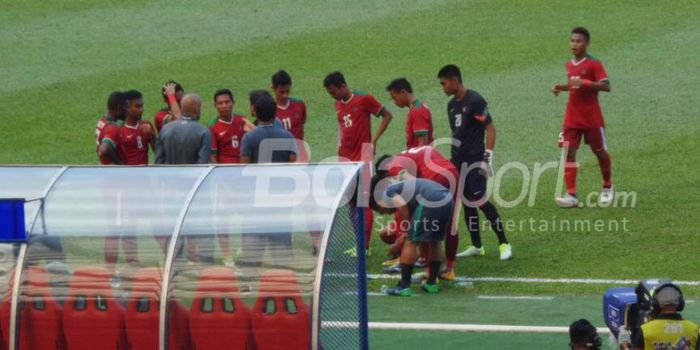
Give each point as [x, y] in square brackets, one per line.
[605, 163]
[569, 200]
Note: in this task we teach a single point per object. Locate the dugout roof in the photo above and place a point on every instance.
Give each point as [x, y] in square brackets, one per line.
[177, 222]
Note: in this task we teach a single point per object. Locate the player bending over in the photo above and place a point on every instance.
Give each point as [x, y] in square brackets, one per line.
[587, 77]
[426, 162]
[425, 208]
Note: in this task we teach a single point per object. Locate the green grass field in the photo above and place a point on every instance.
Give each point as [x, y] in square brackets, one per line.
[60, 59]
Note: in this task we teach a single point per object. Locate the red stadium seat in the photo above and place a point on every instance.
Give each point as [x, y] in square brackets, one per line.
[40, 316]
[280, 318]
[92, 317]
[218, 318]
[143, 309]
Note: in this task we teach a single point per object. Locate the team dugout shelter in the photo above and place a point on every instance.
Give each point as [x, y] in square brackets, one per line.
[192, 257]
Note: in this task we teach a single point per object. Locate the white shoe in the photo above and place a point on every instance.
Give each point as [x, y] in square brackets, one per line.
[506, 251]
[606, 197]
[472, 251]
[568, 201]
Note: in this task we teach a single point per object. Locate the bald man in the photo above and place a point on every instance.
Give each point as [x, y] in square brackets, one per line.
[185, 141]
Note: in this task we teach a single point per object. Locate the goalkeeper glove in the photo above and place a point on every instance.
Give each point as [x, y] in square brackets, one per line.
[488, 162]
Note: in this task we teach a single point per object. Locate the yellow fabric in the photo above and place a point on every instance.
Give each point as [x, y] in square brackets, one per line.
[664, 334]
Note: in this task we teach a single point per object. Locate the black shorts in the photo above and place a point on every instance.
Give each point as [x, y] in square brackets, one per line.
[431, 224]
[474, 186]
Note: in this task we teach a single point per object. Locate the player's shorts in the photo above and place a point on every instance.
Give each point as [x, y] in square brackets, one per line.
[594, 137]
[474, 186]
[431, 224]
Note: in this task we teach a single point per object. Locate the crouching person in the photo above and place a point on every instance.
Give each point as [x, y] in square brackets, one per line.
[425, 210]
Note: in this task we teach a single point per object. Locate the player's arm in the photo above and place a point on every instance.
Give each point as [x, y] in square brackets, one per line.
[490, 137]
[401, 208]
[148, 128]
[248, 126]
[386, 119]
[603, 85]
[214, 153]
[246, 150]
[107, 149]
[557, 88]
[172, 100]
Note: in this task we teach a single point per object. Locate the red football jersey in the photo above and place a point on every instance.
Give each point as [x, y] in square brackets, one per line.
[418, 123]
[135, 141]
[424, 162]
[355, 124]
[226, 139]
[161, 118]
[583, 110]
[111, 134]
[98, 129]
[293, 117]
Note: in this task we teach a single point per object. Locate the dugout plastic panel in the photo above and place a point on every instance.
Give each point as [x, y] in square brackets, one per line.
[263, 224]
[65, 265]
[18, 182]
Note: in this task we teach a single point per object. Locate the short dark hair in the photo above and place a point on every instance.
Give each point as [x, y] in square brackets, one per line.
[334, 79]
[381, 164]
[400, 84]
[226, 92]
[132, 95]
[582, 332]
[254, 95]
[265, 108]
[450, 71]
[116, 102]
[178, 88]
[281, 78]
[583, 31]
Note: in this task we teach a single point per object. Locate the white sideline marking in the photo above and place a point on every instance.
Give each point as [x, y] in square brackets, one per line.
[540, 280]
[455, 327]
[514, 297]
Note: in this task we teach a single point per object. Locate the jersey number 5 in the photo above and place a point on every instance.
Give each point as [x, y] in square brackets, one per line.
[347, 120]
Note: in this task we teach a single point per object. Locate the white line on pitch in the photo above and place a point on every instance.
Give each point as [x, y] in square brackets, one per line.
[514, 297]
[541, 280]
[455, 327]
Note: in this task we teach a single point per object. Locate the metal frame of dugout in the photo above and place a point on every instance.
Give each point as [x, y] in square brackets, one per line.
[77, 208]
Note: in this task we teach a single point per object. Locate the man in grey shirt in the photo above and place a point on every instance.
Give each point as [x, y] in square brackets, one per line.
[185, 141]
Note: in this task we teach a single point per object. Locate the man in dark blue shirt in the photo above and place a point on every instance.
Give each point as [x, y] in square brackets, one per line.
[425, 208]
[269, 142]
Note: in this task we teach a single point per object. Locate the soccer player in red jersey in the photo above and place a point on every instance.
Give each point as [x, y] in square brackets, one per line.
[109, 132]
[587, 77]
[227, 130]
[136, 135]
[419, 123]
[172, 93]
[426, 162]
[290, 111]
[356, 142]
